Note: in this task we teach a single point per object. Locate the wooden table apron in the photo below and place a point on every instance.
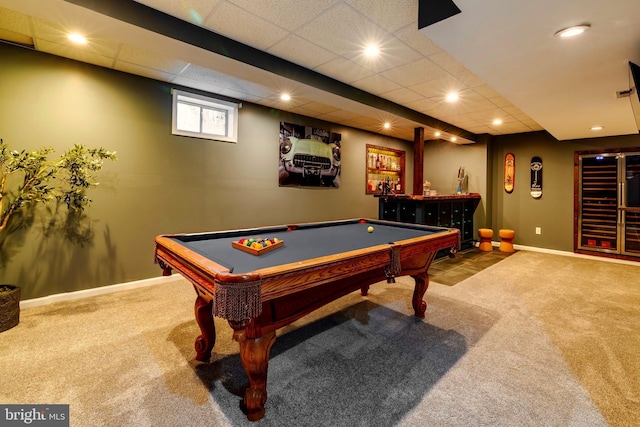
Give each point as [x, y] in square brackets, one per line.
[291, 291]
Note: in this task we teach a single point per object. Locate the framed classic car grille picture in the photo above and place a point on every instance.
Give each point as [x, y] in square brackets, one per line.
[308, 157]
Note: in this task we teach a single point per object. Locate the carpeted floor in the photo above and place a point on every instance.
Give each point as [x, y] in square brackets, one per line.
[533, 340]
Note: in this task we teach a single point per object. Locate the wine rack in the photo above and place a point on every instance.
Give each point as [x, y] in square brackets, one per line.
[631, 218]
[599, 210]
[608, 203]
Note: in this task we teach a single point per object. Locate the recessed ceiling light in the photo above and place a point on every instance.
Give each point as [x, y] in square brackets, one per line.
[437, 133]
[596, 127]
[452, 97]
[77, 38]
[387, 125]
[285, 97]
[497, 122]
[573, 31]
[372, 50]
[454, 139]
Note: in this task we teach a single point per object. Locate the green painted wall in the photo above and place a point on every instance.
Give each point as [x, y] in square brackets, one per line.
[160, 183]
[554, 211]
[441, 162]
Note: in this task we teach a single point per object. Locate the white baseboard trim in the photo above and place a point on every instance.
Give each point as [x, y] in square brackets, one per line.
[569, 254]
[572, 254]
[102, 290]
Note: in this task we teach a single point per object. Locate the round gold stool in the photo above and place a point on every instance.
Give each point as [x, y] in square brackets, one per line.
[486, 234]
[506, 240]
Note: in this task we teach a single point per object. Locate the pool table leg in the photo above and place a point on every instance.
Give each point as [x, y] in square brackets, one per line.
[364, 290]
[204, 316]
[419, 304]
[254, 354]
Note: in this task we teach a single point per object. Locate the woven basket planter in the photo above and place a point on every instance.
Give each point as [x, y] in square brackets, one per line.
[9, 306]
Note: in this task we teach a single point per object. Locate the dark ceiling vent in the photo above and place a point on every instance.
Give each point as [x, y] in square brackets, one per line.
[634, 97]
[432, 11]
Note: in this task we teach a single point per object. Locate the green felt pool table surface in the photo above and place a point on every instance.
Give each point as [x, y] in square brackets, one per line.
[302, 243]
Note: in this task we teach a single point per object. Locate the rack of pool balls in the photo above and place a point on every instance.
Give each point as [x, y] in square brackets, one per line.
[257, 246]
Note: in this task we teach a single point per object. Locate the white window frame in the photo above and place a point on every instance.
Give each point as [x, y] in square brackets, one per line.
[226, 110]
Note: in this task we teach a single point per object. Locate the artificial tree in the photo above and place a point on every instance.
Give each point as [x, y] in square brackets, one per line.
[31, 177]
[28, 178]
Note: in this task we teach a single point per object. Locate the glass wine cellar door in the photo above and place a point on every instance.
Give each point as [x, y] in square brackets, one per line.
[609, 203]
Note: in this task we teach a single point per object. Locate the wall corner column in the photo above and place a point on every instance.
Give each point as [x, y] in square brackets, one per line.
[418, 161]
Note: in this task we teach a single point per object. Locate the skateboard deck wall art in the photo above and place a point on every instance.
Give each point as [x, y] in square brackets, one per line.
[536, 177]
[509, 172]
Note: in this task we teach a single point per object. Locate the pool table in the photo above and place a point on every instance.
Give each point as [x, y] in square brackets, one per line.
[257, 292]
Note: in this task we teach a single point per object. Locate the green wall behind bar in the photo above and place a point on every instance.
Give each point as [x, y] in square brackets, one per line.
[554, 211]
[164, 184]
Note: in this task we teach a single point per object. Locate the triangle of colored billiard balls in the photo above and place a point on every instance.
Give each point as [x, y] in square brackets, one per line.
[258, 243]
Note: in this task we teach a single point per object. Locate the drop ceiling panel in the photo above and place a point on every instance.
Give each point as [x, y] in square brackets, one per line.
[417, 41]
[411, 74]
[302, 51]
[401, 14]
[376, 84]
[139, 70]
[393, 53]
[342, 30]
[438, 87]
[344, 70]
[72, 53]
[290, 15]
[14, 22]
[151, 60]
[403, 96]
[235, 22]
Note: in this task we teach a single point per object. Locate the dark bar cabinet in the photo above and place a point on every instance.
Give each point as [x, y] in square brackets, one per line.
[452, 211]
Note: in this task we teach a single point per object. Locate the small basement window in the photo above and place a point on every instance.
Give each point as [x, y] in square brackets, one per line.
[204, 117]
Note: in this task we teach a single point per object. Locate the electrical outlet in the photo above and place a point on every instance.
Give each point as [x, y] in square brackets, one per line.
[538, 230]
